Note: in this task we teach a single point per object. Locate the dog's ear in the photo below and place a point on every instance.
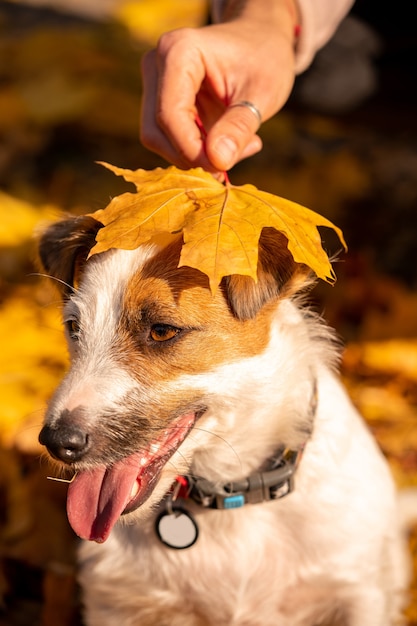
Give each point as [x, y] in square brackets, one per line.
[278, 276]
[64, 248]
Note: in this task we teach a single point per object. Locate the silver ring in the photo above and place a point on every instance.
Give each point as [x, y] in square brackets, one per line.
[250, 106]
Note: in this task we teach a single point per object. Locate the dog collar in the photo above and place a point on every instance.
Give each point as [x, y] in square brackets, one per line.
[272, 484]
[177, 528]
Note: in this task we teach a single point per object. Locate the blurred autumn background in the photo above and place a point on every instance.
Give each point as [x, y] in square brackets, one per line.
[345, 146]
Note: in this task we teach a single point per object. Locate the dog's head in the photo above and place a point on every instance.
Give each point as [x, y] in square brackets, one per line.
[162, 370]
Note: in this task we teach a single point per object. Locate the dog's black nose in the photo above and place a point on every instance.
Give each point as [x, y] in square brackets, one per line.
[68, 443]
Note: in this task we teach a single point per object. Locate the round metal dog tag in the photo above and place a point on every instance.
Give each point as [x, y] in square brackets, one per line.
[177, 528]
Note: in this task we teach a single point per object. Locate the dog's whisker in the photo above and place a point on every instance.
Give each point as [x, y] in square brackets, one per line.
[203, 430]
[62, 480]
[58, 280]
[229, 445]
[174, 466]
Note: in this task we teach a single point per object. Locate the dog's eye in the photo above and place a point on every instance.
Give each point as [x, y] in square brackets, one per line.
[73, 328]
[163, 332]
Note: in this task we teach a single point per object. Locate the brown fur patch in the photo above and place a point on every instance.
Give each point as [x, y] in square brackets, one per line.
[278, 275]
[162, 293]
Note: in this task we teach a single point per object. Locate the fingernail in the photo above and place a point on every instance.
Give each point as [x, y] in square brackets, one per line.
[226, 151]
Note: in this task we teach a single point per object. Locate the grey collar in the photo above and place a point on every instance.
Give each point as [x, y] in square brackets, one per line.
[177, 528]
[272, 484]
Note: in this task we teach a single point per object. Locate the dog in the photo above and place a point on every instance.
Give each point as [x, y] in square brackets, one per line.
[222, 476]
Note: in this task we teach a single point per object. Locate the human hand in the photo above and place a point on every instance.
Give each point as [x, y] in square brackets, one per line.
[201, 73]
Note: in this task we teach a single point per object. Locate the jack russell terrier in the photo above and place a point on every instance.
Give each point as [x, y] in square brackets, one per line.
[222, 476]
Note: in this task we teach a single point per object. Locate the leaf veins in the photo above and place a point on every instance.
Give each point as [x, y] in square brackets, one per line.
[221, 224]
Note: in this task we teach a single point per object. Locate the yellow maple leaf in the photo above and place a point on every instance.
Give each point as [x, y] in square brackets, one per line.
[221, 223]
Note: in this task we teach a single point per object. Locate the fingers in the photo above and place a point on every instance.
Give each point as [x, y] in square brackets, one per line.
[150, 134]
[169, 105]
[198, 73]
[233, 137]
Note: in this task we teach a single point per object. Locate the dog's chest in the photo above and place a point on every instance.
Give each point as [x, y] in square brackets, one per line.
[244, 561]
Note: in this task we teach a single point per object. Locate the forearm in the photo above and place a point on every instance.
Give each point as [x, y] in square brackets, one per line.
[317, 20]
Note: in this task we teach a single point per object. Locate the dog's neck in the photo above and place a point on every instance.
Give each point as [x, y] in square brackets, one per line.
[175, 525]
[274, 480]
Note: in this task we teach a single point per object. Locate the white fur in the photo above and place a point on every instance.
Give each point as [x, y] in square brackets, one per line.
[330, 550]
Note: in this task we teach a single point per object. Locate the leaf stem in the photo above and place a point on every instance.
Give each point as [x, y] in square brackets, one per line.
[203, 132]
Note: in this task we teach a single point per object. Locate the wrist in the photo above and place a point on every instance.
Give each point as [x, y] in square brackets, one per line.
[292, 8]
[281, 13]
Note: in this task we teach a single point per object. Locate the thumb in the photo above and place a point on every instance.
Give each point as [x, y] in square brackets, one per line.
[233, 137]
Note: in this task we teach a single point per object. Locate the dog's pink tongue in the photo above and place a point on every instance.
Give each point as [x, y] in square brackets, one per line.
[96, 499]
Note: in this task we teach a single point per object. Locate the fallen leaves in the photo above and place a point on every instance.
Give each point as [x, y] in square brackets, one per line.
[381, 378]
[397, 357]
[221, 224]
[33, 355]
[19, 219]
[32, 362]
